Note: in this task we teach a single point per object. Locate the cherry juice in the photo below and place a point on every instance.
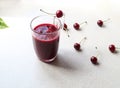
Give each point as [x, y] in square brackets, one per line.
[46, 41]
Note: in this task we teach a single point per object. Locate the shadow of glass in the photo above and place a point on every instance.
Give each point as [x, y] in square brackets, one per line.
[65, 62]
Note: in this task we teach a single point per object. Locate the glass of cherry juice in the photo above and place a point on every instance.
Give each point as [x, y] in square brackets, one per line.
[45, 35]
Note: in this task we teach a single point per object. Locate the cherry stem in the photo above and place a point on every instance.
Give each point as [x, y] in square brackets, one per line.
[46, 12]
[63, 18]
[83, 39]
[83, 22]
[106, 20]
[67, 31]
[117, 47]
[97, 52]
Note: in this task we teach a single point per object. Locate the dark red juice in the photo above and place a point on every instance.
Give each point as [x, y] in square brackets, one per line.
[46, 41]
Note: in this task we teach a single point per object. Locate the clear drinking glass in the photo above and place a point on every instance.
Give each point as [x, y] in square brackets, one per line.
[45, 35]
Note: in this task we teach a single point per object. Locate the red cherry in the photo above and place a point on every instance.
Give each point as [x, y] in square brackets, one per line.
[59, 13]
[77, 46]
[65, 26]
[66, 29]
[76, 26]
[112, 48]
[94, 60]
[100, 23]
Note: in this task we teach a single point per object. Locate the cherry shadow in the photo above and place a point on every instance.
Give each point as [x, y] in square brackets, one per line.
[80, 29]
[103, 26]
[116, 52]
[97, 64]
[80, 50]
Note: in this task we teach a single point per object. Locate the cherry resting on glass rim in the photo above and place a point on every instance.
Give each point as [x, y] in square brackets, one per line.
[46, 46]
[59, 13]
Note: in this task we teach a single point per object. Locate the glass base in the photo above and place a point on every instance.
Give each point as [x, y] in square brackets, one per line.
[48, 60]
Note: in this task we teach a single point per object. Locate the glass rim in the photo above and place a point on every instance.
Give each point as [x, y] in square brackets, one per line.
[46, 22]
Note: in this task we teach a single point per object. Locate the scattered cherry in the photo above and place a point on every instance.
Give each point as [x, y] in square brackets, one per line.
[100, 23]
[77, 25]
[94, 60]
[112, 48]
[77, 46]
[59, 13]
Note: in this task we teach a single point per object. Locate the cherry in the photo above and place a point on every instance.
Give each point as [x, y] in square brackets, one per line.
[100, 23]
[77, 25]
[94, 60]
[77, 46]
[59, 13]
[112, 48]
[66, 29]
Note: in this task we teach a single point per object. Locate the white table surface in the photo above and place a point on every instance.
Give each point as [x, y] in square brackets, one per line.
[19, 66]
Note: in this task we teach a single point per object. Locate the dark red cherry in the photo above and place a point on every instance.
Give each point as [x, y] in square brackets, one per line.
[59, 13]
[100, 23]
[94, 60]
[66, 29]
[76, 26]
[77, 46]
[65, 26]
[112, 48]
